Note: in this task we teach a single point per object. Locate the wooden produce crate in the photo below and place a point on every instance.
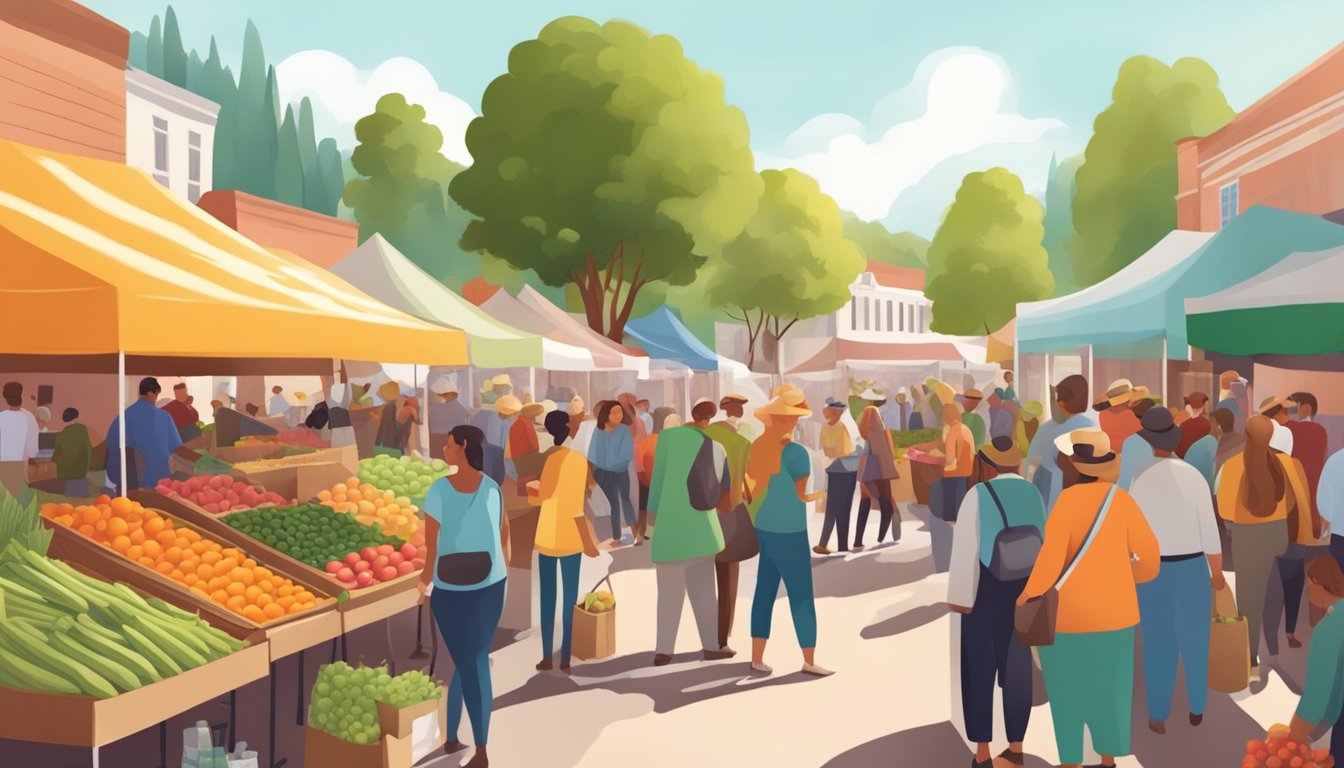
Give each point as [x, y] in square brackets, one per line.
[285, 636]
[365, 605]
[296, 481]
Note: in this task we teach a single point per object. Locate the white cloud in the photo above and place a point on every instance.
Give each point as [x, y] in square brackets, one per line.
[959, 104]
[342, 94]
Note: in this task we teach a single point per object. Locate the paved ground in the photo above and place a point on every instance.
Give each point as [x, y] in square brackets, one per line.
[881, 628]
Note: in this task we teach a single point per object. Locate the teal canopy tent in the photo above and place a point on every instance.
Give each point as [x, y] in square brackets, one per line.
[1130, 314]
[1294, 308]
[663, 336]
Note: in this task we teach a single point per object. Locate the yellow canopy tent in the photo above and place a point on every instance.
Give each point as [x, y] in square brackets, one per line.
[100, 259]
[1000, 346]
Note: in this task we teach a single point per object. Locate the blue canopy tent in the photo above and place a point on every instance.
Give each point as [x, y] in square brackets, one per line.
[1139, 312]
[662, 334]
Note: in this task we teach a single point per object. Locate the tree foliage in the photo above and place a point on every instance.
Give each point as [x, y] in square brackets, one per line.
[1126, 199]
[605, 158]
[899, 249]
[1060, 187]
[987, 255]
[254, 150]
[791, 262]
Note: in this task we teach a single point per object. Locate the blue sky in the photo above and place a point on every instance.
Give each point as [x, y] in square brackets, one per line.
[1032, 75]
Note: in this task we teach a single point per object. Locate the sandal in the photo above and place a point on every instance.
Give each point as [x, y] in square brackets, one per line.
[1016, 758]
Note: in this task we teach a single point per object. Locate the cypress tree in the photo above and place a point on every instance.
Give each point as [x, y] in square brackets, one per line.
[154, 49]
[174, 55]
[288, 166]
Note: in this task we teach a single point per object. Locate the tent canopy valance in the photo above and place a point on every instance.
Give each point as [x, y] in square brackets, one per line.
[662, 335]
[1294, 308]
[1145, 301]
[383, 272]
[99, 258]
[532, 312]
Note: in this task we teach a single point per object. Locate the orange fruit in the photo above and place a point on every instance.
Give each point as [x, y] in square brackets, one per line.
[137, 536]
[210, 558]
[252, 593]
[285, 602]
[198, 547]
[173, 554]
[89, 515]
[204, 571]
[264, 573]
[236, 588]
[264, 600]
[228, 563]
[176, 575]
[218, 582]
[297, 607]
[153, 524]
[273, 611]
[121, 505]
[220, 596]
[248, 576]
[100, 526]
[266, 585]
[164, 567]
[285, 589]
[198, 590]
[148, 562]
[249, 564]
[166, 537]
[254, 613]
[190, 578]
[121, 544]
[236, 602]
[87, 530]
[135, 552]
[152, 548]
[117, 526]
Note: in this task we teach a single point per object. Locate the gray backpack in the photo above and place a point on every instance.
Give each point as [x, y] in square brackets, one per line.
[703, 483]
[1015, 547]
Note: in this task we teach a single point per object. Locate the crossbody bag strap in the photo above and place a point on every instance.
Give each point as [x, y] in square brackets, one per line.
[989, 486]
[1091, 535]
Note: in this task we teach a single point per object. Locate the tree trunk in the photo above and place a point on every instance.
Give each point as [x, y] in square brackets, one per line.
[606, 308]
[769, 354]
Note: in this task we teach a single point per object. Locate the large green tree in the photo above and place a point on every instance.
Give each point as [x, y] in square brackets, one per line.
[606, 158]
[288, 162]
[174, 55]
[791, 262]
[987, 255]
[1126, 198]
[1060, 187]
[154, 49]
[899, 249]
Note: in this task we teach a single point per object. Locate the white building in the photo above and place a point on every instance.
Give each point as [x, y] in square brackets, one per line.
[887, 304]
[170, 132]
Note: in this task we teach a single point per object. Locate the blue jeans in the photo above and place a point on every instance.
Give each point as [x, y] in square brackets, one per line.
[468, 620]
[1174, 614]
[785, 557]
[569, 574]
[616, 487]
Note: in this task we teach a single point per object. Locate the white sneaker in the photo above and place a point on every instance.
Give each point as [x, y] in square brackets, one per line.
[762, 669]
[816, 671]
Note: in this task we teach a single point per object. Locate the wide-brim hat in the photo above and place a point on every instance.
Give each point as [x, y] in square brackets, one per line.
[789, 393]
[508, 405]
[734, 397]
[831, 402]
[533, 410]
[444, 385]
[780, 407]
[1002, 452]
[389, 390]
[1120, 392]
[943, 391]
[1032, 409]
[1270, 403]
[1160, 430]
[1091, 453]
[871, 396]
[973, 394]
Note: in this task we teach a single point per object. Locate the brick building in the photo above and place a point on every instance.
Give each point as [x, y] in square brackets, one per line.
[322, 240]
[1284, 151]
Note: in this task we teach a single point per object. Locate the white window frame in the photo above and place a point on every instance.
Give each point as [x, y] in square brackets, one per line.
[160, 127]
[1229, 202]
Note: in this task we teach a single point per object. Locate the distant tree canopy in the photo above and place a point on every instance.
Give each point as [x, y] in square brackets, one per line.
[1060, 187]
[987, 255]
[791, 263]
[255, 151]
[1126, 187]
[899, 249]
[605, 158]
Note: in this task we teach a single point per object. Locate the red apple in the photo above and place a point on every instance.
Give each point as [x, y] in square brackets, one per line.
[363, 566]
[335, 566]
[213, 508]
[418, 563]
[351, 559]
[408, 551]
[364, 579]
[405, 567]
[388, 573]
[368, 553]
[380, 562]
[395, 559]
[385, 549]
[345, 575]
[225, 506]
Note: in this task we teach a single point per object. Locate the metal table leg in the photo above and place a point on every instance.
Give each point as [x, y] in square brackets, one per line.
[433, 646]
[298, 701]
[391, 656]
[94, 752]
[419, 654]
[333, 650]
[345, 650]
[163, 744]
[233, 719]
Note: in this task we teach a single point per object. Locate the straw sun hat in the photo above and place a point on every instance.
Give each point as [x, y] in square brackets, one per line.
[1091, 453]
[508, 405]
[1120, 392]
[780, 406]
[1002, 453]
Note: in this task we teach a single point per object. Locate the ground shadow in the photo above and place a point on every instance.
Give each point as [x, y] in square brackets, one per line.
[867, 572]
[678, 687]
[904, 622]
[934, 746]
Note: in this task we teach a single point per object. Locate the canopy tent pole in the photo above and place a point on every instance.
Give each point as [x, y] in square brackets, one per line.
[121, 416]
[471, 386]
[1017, 370]
[1091, 378]
[424, 412]
[1165, 401]
[532, 384]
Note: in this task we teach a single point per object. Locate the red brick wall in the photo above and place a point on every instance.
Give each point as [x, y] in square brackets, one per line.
[323, 240]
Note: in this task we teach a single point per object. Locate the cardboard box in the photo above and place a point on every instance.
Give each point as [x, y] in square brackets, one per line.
[297, 481]
[427, 733]
[83, 721]
[397, 722]
[594, 634]
[286, 635]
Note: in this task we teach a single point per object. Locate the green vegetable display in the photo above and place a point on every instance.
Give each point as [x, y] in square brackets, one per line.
[209, 464]
[64, 632]
[403, 476]
[311, 533]
[344, 701]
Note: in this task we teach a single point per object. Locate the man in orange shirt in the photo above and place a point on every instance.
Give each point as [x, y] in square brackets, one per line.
[1117, 416]
[958, 461]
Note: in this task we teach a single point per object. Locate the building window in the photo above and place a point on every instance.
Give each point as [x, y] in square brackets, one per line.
[854, 313]
[911, 323]
[1229, 199]
[193, 166]
[161, 150]
[891, 326]
[867, 314]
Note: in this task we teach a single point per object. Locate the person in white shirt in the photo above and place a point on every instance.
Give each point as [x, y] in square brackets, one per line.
[18, 440]
[278, 406]
[1174, 608]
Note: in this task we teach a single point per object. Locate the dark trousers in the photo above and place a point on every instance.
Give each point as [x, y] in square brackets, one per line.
[882, 490]
[1337, 733]
[991, 654]
[616, 487]
[569, 576]
[468, 620]
[726, 575]
[839, 501]
[643, 517]
[1292, 571]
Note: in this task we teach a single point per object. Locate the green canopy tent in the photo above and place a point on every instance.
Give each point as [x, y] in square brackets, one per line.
[1295, 307]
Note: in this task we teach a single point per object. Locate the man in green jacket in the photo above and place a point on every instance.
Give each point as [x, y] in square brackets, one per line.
[688, 538]
[736, 448]
[72, 454]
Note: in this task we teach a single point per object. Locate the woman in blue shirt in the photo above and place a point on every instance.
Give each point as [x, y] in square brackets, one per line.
[466, 533]
[1323, 695]
[778, 470]
[610, 453]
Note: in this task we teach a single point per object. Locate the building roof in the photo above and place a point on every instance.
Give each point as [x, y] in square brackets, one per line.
[163, 93]
[896, 277]
[1318, 82]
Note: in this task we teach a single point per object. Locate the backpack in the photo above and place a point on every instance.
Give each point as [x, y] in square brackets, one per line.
[1015, 547]
[317, 419]
[703, 484]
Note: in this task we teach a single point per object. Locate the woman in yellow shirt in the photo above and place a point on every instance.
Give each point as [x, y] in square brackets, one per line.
[1089, 671]
[1259, 490]
[564, 533]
